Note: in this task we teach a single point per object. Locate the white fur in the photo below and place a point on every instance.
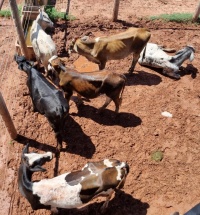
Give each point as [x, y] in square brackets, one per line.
[53, 58]
[107, 163]
[156, 57]
[58, 193]
[119, 178]
[191, 57]
[43, 45]
[156, 54]
[32, 157]
[86, 165]
[97, 39]
[75, 47]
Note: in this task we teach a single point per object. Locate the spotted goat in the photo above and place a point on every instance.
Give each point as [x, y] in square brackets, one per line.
[71, 189]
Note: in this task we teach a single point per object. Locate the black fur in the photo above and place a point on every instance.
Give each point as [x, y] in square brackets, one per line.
[47, 100]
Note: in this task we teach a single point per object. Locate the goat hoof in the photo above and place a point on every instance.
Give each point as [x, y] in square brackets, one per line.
[176, 76]
[54, 211]
[102, 210]
[130, 72]
[99, 111]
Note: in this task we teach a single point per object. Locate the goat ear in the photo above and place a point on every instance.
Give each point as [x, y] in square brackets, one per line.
[191, 57]
[38, 169]
[25, 150]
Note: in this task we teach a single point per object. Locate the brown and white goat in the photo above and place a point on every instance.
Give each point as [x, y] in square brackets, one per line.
[72, 189]
[89, 84]
[114, 47]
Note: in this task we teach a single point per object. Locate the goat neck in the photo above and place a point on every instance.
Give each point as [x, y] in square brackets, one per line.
[182, 55]
[24, 181]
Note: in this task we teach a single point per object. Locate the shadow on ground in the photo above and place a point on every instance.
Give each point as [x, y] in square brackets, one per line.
[108, 117]
[122, 203]
[77, 142]
[142, 78]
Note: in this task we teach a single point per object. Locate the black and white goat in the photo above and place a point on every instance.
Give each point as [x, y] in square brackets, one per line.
[46, 98]
[72, 189]
[156, 57]
[30, 163]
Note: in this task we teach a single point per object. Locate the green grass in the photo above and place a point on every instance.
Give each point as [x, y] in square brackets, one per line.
[54, 14]
[175, 17]
[157, 156]
[7, 12]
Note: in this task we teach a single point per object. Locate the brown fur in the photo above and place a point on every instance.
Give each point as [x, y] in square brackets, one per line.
[114, 47]
[90, 85]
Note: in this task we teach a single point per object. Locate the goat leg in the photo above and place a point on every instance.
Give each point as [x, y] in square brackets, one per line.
[135, 60]
[102, 65]
[54, 210]
[171, 74]
[107, 102]
[108, 194]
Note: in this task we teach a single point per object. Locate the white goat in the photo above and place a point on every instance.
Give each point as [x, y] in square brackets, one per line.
[42, 43]
[156, 57]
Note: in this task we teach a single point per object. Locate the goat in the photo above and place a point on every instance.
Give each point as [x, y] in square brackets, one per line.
[155, 57]
[30, 163]
[89, 84]
[43, 46]
[114, 47]
[72, 189]
[46, 99]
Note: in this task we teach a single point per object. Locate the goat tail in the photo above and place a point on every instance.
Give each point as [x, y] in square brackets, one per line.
[144, 52]
[122, 90]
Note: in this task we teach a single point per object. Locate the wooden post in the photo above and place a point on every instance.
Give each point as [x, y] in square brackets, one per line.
[116, 10]
[7, 119]
[68, 5]
[197, 12]
[1, 3]
[19, 28]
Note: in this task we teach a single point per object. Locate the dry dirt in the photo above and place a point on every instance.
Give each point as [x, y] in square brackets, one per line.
[152, 188]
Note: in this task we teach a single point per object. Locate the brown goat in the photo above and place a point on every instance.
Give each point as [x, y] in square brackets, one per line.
[114, 47]
[89, 84]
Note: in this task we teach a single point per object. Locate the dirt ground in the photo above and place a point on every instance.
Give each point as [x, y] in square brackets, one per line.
[152, 188]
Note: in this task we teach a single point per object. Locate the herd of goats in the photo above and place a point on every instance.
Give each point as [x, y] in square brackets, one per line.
[74, 189]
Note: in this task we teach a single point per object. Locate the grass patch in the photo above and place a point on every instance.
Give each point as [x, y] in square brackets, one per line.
[54, 14]
[157, 156]
[7, 13]
[175, 17]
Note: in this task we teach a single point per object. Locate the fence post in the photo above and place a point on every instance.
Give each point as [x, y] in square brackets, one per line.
[68, 5]
[7, 119]
[19, 28]
[1, 3]
[196, 14]
[116, 10]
